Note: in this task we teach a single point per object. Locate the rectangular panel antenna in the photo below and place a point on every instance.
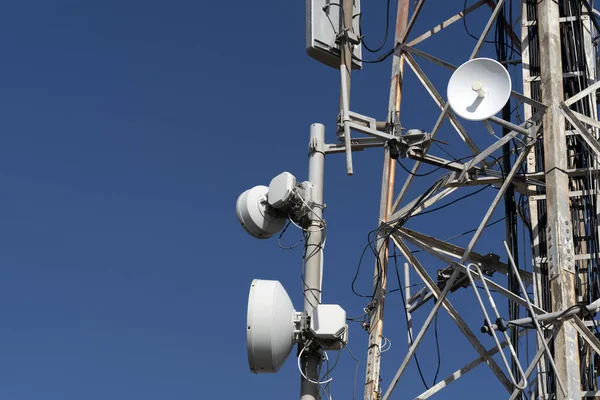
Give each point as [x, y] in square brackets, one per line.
[322, 26]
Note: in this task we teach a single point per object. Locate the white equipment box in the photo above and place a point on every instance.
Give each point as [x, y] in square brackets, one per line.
[328, 321]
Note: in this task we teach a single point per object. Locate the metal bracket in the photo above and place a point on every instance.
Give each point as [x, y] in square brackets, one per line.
[316, 145]
[347, 34]
[363, 124]
[562, 256]
[411, 144]
[395, 122]
[301, 325]
[357, 144]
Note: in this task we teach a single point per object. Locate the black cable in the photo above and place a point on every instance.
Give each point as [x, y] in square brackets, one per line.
[444, 150]
[355, 370]
[385, 36]
[433, 170]
[465, 233]
[454, 160]
[510, 206]
[379, 60]
[589, 313]
[419, 175]
[452, 202]
[413, 285]
[347, 43]
[373, 236]
[337, 359]
[483, 288]
[395, 225]
[305, 258]
[368, 246]
[475, 37]
[407, 322]
[281, 235]
[475, 230]
[358, 271]
[325, 7]
[360, 318]
[510, 18]
[523, 326]
[437, 346]
[586, 4]
[579, 306]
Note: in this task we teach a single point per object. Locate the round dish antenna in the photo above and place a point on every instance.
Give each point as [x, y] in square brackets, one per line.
[271, 326]
[479, 89]
[256, 215]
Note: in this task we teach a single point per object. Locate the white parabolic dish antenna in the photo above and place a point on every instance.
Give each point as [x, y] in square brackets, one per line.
[479, 89]
[270, 327]
[254, 214]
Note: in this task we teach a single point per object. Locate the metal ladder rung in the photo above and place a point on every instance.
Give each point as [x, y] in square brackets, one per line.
[575, 193]
[561, 19]
[572, 74]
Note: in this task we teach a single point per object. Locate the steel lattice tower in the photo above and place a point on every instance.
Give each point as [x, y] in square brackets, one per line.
[552, 165]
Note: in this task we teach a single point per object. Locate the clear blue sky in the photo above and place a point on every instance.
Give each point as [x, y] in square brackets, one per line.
[129, 128]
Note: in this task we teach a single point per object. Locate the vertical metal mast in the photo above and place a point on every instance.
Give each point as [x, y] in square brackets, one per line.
[345, 70]
[559, 236]
[314, 256]
[372, 389]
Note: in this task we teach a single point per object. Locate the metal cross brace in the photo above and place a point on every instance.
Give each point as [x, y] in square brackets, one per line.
[511, 33]
[459, 265]
[582, 130]
[456, 17]
[453, 278]
[444, 302]
[480, 156]
[400, 47]
[428, 203]
[585, 92]
[461, 372]
[455, 274]
[452, 67]
[490, 262]
[437, 97]
[497, 288]
[445, 108]
[579, 325]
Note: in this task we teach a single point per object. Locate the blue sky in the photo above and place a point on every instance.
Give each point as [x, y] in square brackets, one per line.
[129, 128]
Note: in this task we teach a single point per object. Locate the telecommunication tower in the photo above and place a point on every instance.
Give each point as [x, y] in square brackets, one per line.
[542, 159]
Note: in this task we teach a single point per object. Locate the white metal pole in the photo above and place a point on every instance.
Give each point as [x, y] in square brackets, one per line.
[345, 69]
[313, 256]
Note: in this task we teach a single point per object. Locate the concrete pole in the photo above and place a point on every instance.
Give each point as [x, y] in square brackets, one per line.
[559, 237]
[313, 261]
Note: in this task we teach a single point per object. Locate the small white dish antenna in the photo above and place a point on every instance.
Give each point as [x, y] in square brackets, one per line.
[479, 89]
[271, 326]
[255, 215]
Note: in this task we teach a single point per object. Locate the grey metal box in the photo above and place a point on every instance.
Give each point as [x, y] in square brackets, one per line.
[322, 26]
